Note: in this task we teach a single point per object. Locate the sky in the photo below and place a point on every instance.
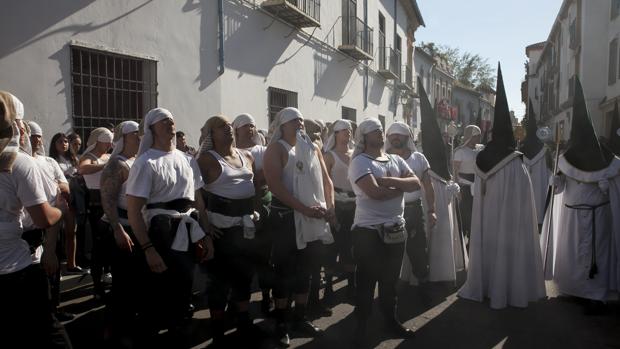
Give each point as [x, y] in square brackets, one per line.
[495, 29]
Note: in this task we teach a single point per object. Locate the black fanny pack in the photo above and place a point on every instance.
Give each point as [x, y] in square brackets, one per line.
[230, 207]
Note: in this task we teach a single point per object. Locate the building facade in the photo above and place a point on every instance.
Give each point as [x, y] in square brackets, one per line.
[83, 64]
[583, 42]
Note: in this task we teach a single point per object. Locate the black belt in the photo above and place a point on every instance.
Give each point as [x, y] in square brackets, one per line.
[179, 205]
[416, 202]
[346, 192]
[122, 213]
[279, 207]
[230, 207]
[468, 176]
[593, 267]
[34, 238]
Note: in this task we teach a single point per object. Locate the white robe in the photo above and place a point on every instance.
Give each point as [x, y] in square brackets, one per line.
[446, 251]
[505, 263]
[539, 174]
[569, 255]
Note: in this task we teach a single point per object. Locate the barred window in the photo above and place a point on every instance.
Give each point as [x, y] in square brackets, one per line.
[108, 88]
[279, 99]
[349, 114]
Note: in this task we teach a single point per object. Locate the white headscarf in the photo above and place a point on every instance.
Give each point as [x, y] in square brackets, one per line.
[100, 134]
[207, 137]
[400, 128]
[125, 127]
[283, 116]
[339, 125]
[152, 117]
[36, 130]
[364, 128]
[19, 108]
[247, 119]
[469, 132]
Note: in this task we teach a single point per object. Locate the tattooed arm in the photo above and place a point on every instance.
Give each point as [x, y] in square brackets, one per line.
[114, 174]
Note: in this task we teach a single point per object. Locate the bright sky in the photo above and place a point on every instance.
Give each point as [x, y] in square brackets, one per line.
[495, 29]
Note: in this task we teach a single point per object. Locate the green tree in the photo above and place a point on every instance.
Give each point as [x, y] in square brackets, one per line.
[468, 68]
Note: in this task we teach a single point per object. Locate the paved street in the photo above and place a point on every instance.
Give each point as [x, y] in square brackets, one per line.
[442, 321]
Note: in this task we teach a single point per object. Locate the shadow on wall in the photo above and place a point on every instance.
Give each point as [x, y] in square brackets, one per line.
[63, 85]
[332, 74]
[16, 35]
[376, 91]
[207, 55]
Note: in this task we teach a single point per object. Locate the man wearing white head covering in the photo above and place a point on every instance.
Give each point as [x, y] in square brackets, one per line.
[464, 167]
[379, 181]
[247, 137]
[26, 306]
[120, 242]
[415, 263]
[338, 150]
[91, 165]
[303, 201]
[164, 206]
[55, 183]
[229, 191]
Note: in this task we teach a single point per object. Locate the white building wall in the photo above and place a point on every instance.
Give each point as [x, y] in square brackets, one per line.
[183, 37]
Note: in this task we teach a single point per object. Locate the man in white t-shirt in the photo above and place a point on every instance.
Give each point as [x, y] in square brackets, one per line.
[464, 163]
[166, 183]
[401, 143]
[27, 319]
[379, 181]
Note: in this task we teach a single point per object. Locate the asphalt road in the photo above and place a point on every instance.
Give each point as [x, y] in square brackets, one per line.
[440, 319]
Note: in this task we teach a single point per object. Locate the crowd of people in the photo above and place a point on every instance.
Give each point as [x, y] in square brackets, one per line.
[295, 208]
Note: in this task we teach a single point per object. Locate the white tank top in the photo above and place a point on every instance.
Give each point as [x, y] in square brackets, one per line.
[122, 198]
[93, 180]
[340, 173]
[289, 169]
[233, 183]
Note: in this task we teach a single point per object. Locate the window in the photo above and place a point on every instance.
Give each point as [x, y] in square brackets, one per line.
[108, 88]
[349, 114]
[381, 23]
[573, 34]
[613, 57]
[397, 42]
[382, 120]
[279, 99]
[571, 86]
[615, 9]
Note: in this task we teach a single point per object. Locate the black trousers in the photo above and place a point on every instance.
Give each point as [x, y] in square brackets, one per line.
[26, 316]
[465, 205]
[292, 266]
[416, 245]
[377, 262]
[127, 294]
[232, 269]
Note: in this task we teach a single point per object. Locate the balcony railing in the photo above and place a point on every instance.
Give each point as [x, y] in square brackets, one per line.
[389, 63]
[406, 78]
[301, 13]
[356, 38]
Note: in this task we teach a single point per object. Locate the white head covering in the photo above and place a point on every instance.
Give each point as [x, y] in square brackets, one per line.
[283, 116]
[100, 134]
[207, 137]
[400, 128]
[19, 108]
[364, 128]
[242, 120]
[470, 132]
[153, 116]
[125, 127]
[339, 125]
[247, 119]
[36, 130]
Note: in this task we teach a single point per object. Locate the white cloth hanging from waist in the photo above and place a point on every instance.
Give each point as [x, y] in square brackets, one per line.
[181, 240]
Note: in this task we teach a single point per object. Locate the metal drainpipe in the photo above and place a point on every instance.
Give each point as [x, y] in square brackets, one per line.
[366, 41]
[220, 16]
[400, 67]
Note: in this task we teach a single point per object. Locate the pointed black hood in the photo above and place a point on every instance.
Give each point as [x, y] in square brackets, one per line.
[502, 142]
[584, 150]
[531, 145]
[434, 148]
[614, 137]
